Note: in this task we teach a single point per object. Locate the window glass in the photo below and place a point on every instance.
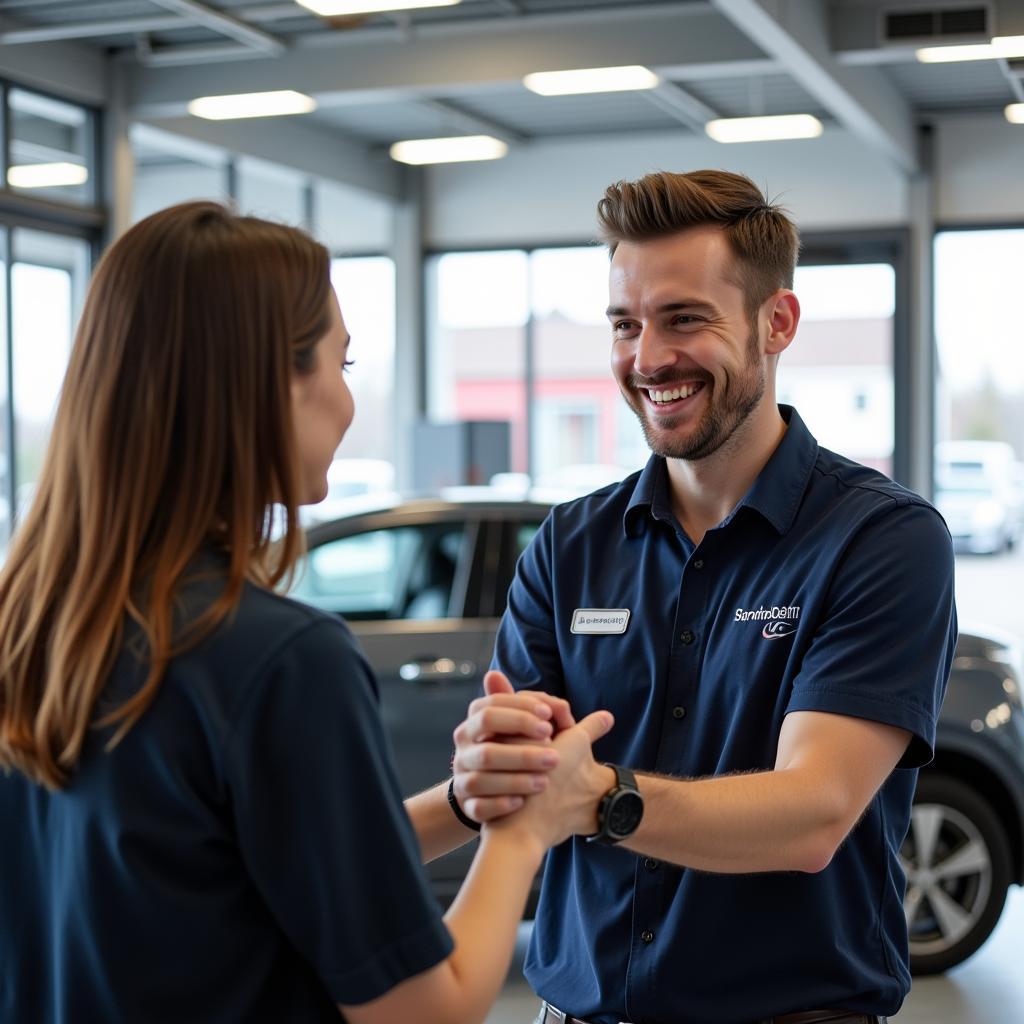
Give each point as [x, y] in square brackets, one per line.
[51, 145]
[479, 307]
[366, 294]
[839, 370]
[578, 444]
[48, 280]
[979, 475]
[398, 573]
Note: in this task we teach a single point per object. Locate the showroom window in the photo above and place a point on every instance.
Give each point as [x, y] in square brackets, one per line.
[522, 335]
[479, 312]
[50, 229]
[365, 286]
[979, 388]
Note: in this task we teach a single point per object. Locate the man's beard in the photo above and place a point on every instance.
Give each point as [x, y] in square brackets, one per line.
[726, 412]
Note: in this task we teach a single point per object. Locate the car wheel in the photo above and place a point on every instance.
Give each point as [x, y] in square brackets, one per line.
[958, 865]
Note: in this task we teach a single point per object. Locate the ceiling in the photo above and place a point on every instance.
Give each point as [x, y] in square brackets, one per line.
[457, 70]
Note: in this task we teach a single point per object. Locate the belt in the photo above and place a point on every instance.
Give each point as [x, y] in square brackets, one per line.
[552, 1015]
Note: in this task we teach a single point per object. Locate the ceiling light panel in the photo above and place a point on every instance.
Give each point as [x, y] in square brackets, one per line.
[448, 150]
[341, 8]
[764, 129]
[57, 175]
[1015, 113]
[586, 80]
[251, 104]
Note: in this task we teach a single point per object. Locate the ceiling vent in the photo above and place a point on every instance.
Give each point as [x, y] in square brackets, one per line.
[936, 26]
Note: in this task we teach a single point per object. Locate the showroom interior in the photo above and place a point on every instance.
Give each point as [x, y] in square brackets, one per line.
[475, 290]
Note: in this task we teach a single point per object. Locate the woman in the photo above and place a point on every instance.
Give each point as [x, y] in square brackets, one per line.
[202, 821]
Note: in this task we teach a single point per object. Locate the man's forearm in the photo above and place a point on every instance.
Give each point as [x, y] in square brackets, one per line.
[437, 829]
[783, 820]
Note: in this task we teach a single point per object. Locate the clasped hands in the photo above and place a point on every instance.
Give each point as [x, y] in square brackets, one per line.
[522, 759]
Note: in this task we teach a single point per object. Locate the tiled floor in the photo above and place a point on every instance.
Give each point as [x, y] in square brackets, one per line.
[987, 989]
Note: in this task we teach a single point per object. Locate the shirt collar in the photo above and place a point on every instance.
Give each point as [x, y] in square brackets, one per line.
[775, 494]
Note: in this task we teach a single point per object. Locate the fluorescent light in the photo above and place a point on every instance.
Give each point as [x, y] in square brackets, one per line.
[251, 104]
[46, 175]
[339, 8]
[582, 80]
[1008, 46]
[1001, 46]
[948, 54]
[764, 129]
[1015, 113]
[448, 151]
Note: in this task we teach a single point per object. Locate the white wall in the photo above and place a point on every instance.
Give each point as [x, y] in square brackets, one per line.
[547, 192]
[979, 171]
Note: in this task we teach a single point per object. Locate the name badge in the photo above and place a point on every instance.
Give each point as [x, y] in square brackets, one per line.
[600, 620]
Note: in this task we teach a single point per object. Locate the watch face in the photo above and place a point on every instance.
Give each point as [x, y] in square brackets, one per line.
[624, 814]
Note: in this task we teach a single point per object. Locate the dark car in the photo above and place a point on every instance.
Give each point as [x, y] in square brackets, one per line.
[423, 585]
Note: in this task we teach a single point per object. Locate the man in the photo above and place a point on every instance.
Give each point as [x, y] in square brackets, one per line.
[772, 626]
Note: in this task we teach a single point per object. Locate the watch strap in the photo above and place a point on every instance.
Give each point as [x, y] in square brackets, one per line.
[458, 811]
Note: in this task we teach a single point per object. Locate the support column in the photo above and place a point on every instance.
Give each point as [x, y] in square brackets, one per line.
[117, 158]
[410, 345]
[923, 363]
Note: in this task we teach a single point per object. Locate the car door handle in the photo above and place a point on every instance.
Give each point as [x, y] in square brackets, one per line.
[437, 670]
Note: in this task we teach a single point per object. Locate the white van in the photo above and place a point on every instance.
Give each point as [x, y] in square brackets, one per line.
[979, 489]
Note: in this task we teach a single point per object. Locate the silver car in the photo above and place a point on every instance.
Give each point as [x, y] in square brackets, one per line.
[423, 585]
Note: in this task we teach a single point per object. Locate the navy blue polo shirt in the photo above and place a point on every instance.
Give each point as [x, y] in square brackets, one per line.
[828, 588]
[242, 855]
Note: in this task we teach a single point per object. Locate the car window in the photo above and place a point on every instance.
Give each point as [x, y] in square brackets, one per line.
[403, 572]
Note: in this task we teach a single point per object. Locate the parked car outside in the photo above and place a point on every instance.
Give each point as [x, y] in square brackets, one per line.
[980, 492]
[423, 585]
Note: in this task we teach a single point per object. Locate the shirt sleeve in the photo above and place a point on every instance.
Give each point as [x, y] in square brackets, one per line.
[526, 647]
[884, 647]
[321, 823]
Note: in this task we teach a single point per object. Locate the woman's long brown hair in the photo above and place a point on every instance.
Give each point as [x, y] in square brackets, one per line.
[173, 434]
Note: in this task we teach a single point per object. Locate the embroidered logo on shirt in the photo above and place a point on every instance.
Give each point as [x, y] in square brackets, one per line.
[773, 630]
[779, 620]
[600, 620]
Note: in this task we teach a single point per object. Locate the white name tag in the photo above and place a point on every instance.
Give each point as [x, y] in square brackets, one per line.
[600, 620]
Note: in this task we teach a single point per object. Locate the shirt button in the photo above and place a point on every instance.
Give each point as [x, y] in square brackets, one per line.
[679, 712]
[687, 636]
[651, 864]
[647, 936]
[698, 563]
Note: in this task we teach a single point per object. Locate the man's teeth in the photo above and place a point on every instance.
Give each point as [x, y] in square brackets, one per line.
[675, 394]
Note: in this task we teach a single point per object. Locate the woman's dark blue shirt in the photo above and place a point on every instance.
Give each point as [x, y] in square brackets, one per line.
[241, 855]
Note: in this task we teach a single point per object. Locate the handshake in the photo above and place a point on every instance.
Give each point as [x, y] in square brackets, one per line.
[522, 762]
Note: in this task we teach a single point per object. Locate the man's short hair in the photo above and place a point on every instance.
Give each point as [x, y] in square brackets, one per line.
[765, 241]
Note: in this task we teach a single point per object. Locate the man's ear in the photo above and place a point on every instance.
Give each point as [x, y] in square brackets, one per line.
[782, 311]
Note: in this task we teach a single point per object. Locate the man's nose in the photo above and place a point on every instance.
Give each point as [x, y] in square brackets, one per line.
[654, 351]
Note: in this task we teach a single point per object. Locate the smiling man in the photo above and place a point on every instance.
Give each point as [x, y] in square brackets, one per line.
[772, 626]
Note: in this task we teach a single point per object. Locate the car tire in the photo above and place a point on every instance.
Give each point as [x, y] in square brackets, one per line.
[959, 867]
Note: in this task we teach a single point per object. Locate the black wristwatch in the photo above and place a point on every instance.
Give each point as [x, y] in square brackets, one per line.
[620, 809]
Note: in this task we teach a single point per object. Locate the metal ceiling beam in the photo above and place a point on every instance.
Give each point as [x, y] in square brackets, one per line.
[470, 122]
[89, 29]
[678, 103]
[455, 64]
[299, 145]
[795, 33]
[196, 13]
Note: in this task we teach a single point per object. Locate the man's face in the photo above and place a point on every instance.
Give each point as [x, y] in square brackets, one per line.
[686, 358]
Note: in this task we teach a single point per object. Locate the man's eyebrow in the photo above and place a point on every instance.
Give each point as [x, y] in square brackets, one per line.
[668, 307]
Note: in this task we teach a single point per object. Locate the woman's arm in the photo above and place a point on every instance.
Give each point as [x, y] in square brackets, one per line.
[485, 915]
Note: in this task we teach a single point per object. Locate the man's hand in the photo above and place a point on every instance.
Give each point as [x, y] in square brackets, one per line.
[503, 750]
